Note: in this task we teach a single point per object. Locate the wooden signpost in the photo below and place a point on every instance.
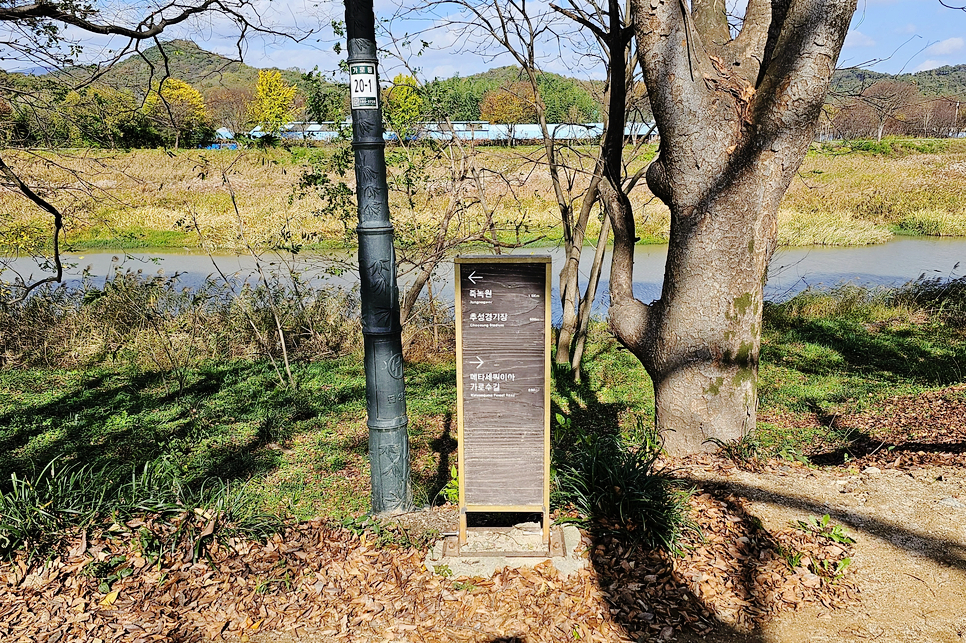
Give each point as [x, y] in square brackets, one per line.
[503, 385]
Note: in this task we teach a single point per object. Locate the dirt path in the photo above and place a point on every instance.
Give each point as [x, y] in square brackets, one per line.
[909, 560]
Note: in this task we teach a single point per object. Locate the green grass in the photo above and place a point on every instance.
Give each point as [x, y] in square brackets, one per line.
[831, 352]
[132, 238]
[304, 451]
[889, 146]
[826, 354]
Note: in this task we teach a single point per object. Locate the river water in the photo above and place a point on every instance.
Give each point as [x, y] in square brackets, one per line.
[792, 270]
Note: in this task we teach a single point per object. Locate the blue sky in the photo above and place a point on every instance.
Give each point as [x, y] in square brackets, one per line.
[905, 35]
[886, 35]
[890, 36]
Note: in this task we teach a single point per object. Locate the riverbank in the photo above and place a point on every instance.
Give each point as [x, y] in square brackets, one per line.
[232, 199]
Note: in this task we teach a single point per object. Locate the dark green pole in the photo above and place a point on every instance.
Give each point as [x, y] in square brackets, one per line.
[381, 328]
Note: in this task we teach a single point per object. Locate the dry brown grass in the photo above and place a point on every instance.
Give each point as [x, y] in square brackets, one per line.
[866, 196]
[156, 198]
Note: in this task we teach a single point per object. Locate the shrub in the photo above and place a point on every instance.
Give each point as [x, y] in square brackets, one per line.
[623, 490]
[153, 322]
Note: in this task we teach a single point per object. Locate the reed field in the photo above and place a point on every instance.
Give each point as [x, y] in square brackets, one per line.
[843, 195]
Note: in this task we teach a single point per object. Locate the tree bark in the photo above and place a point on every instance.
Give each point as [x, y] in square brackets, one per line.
[735, 120]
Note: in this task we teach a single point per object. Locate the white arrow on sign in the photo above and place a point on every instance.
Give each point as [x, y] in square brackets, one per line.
[473, 278]
[479, 362]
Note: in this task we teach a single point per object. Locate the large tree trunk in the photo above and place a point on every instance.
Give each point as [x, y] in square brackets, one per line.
[735, 119]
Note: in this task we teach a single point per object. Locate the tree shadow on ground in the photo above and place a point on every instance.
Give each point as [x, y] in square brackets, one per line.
[861, 445]
[646, 593]
[940, 550]
[226, 422]
[885, 352]
[641, 588]
[635, 591]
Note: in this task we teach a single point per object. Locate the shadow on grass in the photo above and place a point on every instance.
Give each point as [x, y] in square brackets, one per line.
[443, 446]
[225, 423]
[919, 356]
[579, 416]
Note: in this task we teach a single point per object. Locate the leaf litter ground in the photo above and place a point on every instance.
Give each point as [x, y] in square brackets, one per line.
[329, 583]
[761, 571]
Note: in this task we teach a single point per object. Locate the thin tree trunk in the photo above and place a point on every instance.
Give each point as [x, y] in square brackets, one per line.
[587, 302]
[569, 279]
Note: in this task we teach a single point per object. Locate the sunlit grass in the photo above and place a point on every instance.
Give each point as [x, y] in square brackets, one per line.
[827, 228]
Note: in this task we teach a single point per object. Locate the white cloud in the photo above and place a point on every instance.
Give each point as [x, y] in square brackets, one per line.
[946, 47]
[908, 29]
[443, 71]
[931, 64]
[858, 39]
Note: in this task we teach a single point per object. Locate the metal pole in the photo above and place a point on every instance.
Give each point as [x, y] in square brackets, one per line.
[381, 328]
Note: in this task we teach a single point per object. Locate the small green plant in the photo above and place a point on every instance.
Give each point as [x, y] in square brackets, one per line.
[623, 490]
[389, 534]
[792, 454]
[744, 452]
[833, 571]
[107, 572]
[444, 571]
[825, 528]
[460, 586]
[451, 492]
[793, 558]
[265, 585]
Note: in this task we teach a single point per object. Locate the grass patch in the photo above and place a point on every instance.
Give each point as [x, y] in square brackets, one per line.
[827, 228]
[934, 223]
[843, 351]
[847, 194]
[917, 186]
[223, 426]
[36, 512]
[302, 452]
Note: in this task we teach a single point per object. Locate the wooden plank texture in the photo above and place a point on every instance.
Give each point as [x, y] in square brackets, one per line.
[504, 345]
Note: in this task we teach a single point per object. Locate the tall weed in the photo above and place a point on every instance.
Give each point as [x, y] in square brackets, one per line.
[152, 322]
[623, 489]
[942, 299]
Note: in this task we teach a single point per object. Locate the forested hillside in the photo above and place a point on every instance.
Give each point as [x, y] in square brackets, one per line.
[185, 61]
[948, 80]
[124, 106]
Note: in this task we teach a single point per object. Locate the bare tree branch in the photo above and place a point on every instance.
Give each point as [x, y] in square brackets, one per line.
[34, 31]
[58, 226]
[152, 24]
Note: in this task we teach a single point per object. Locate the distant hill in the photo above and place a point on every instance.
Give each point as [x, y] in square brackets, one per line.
[948, 80]
[207, 71]
[186, 61]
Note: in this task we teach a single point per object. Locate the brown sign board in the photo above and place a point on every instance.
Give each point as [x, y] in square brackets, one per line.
[503, 384]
